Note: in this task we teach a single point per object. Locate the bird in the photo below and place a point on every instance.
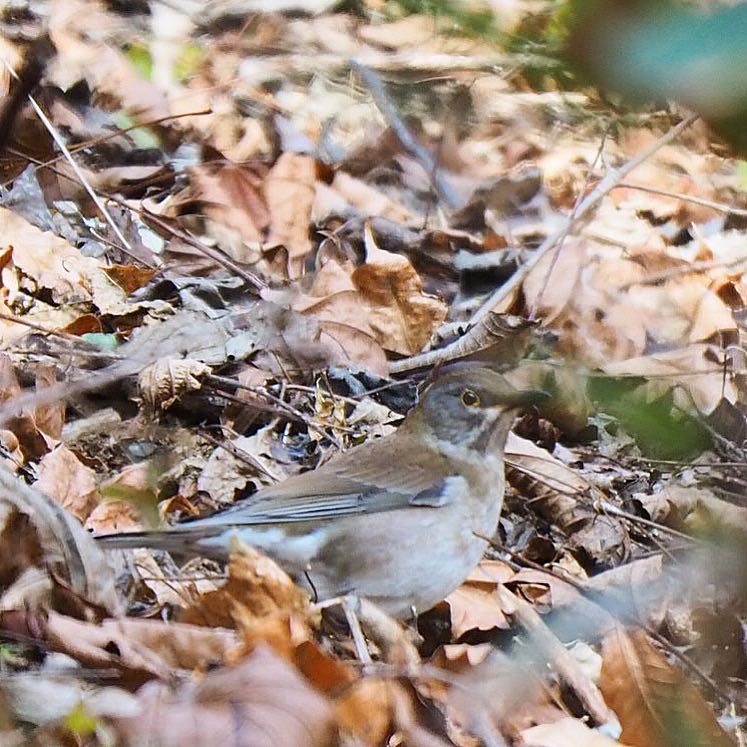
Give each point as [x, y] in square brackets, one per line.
[400, 521]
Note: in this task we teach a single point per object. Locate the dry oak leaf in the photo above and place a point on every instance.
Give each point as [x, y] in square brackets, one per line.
[655, 702]
[71, 483]
[262, 701]
[401, 315]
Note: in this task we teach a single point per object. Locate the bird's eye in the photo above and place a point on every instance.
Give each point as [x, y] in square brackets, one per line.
[470, 398]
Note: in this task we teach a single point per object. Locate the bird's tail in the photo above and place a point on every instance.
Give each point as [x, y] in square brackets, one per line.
[180, 540]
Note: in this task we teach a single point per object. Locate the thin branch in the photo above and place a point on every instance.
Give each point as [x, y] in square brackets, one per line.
[719, 206]
[410, 143]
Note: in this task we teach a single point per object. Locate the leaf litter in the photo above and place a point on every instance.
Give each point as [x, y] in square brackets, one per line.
[304, 242]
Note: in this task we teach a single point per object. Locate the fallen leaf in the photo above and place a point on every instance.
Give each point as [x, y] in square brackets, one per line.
[475, 605]
[289, 193]
[65, 478]
[654, 701]
[262, 691]
[401, 315]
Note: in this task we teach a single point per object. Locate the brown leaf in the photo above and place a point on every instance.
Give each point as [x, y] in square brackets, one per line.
[365, 710]
[65, 478]
[139, 649]
[401, 315]
[263, 696]
[23, 425]
[289, 193]
[129, 277]
[654, 701]
[231, 195]
[550, 285]
[113, 517]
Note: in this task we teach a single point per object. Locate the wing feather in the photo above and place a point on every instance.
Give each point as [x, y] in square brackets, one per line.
[343, 486]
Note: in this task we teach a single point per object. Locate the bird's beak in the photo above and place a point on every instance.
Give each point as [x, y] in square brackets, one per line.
[525, 398]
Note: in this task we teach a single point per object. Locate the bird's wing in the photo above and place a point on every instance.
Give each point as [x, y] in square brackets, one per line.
[343, 486]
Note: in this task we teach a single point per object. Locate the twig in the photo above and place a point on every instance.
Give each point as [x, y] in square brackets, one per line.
[418, 151]
[719, 206]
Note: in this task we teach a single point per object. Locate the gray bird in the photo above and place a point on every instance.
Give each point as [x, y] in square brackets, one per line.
[398, 520]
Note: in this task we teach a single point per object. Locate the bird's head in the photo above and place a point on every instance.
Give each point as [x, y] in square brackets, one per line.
[471, 406]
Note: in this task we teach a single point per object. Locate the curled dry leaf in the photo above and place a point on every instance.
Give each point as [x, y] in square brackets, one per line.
[263, 694]
[167, 380]
[176, 645]
[65, 478]
[556, 488]
[654, 701]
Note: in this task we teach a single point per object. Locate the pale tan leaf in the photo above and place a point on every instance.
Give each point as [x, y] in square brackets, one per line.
[65, 478]
[550, 285]
[567, 732]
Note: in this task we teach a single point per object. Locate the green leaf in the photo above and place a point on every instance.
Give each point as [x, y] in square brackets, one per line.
[139, 57]
[80, 722]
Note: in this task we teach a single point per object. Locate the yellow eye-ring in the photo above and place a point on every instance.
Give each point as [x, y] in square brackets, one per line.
[470, 398]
